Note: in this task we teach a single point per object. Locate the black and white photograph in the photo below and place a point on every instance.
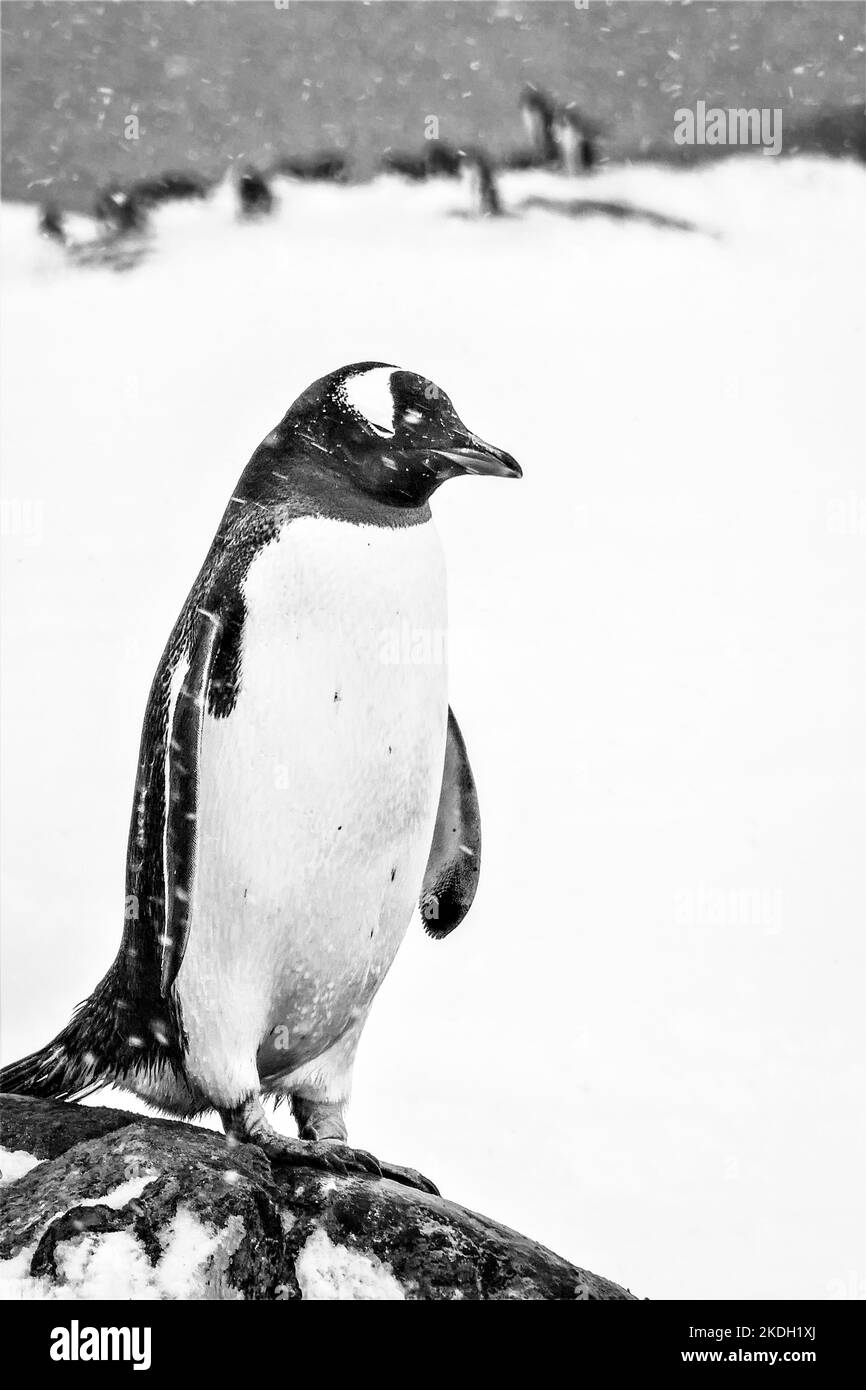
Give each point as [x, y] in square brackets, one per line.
[434, 665]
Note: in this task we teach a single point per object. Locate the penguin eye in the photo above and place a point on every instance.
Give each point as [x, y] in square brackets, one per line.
[412, 417]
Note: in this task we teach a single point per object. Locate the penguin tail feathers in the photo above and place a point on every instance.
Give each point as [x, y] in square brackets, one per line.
[52, 1073]
[66, 1068]
[108, 1040]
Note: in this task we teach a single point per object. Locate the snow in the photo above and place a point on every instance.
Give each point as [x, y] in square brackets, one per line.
[115, 1265]
[14, 1163]
[196, 1257]
[337, 1273]
[641, 1046]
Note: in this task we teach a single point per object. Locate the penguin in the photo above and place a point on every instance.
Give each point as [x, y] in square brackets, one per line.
[441, 159]
[254, 192]
[538, 110]
[480, 178]
[436, 160]
[171, 186]
[51, 223]
[574, 139]
[329, 166]
[302, 782]
[119, 211]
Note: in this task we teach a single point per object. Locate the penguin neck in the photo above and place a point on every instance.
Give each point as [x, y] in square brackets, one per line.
[290, 488]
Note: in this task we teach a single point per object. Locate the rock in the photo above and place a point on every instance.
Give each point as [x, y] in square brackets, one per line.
[99, 1203]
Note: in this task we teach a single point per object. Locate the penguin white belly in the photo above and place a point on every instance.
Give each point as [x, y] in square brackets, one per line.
[569, 142]
[317, 798]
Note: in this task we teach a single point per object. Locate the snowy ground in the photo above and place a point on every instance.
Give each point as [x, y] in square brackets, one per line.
[644, 1047]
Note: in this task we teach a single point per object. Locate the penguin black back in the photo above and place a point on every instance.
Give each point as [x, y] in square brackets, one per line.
[168, 187]
[437, 159]
[327, 167]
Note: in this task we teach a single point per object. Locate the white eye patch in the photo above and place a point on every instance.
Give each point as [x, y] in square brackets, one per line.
[369, 395]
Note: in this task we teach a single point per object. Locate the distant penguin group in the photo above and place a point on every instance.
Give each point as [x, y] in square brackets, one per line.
[120, 218]
[561, 137]
[121, 210]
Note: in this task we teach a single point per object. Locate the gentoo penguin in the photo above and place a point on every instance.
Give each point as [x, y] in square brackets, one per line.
[574, 139]
[480, 179]
[538, 111]
[302, 781]
[119, 211]
[254, 192]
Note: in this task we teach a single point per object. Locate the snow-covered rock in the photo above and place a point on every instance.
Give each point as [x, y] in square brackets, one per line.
[118, 1206]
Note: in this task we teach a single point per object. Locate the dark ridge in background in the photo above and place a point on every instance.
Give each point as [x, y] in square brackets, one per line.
[216, 82]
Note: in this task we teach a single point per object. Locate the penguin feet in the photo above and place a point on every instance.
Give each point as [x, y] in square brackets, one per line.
[327, 1154]
[324, 1120]
[333, 1156]
[353, 1158]
[248, 1124]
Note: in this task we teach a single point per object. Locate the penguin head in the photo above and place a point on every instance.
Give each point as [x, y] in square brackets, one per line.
[390, 433]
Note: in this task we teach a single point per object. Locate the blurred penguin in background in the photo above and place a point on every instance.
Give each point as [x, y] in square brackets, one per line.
[479, 179]
[442, 160]
[329, 166]
[119, 211]
[538, 111]
[171, 186]
[254, 194]
[574, 139]
[51, 223]
[437, 159]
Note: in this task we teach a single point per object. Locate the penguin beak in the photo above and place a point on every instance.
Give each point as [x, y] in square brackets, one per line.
[474, 455]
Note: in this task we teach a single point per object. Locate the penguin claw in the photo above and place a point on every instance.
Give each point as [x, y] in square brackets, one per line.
[343, 1159]
[246, 1124]
[360, 1160]
[333, 1156]
[328, 1155]
[409, 1177]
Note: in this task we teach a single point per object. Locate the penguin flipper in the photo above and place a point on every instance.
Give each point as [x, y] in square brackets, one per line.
[206, 643]
[182, 785]
[454, 865]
